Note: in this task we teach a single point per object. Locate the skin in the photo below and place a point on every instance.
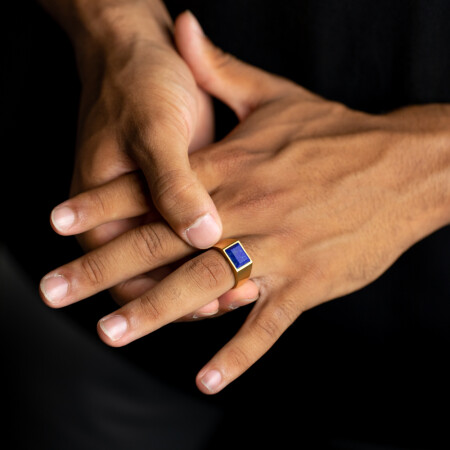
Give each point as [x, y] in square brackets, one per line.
[323, 198]
[140, 109]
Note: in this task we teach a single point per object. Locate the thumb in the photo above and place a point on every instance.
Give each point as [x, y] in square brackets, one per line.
[176, 191]
[239, 85]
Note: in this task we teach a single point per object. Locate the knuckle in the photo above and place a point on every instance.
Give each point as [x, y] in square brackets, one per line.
[237, 359]
[209, 271]
[268, 327]
[261, 200]
[149, 308]
[93, 269]
[98, 203]
[272, 322]
[316, 281]
[233, 159]
[171, 189]
[286, 311]
[339, 109]
[366, 267]
[149, 244]
[252, 201]
[221, 59]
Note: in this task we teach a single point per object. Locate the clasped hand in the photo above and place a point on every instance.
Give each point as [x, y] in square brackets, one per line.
[311, 188]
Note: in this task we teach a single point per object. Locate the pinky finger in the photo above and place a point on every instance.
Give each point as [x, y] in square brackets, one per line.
[265, 324]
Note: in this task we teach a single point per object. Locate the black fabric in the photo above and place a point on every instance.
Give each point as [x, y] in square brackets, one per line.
[65, 390]
[366, 370]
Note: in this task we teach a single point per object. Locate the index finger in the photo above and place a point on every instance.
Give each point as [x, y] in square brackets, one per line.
[137, 251]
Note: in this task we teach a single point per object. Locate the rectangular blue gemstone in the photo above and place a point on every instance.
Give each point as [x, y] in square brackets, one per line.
[237, 255]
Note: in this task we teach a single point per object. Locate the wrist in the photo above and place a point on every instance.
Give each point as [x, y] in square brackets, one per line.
[422, 167]
[110, 22]
[103, 26]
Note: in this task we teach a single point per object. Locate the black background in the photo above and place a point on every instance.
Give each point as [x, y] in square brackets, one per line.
[369, 368]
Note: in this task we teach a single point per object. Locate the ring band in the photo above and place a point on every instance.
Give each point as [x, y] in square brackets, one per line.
[237, 258]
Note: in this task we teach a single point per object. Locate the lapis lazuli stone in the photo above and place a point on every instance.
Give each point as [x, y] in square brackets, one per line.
[237, 255]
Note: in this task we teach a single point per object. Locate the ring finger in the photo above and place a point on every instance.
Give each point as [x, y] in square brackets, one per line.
[192, 286]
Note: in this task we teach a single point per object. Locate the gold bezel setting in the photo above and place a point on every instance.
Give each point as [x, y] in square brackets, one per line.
[238, 259]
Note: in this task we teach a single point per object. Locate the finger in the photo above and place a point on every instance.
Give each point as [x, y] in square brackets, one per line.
[209, 310]
[241, 296]
[233, 299]
[99, 158]
[265, 324]
[241, 86]
[162, 153]
[104, 233]
[156, 137]
[135, 287]
[124, 197]
[193, 285]
[135, 252]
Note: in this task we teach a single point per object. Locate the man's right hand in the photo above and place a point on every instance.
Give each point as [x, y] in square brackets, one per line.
[140, 110]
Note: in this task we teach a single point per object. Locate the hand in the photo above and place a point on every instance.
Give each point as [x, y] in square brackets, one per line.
[323, 198]
[140, 109]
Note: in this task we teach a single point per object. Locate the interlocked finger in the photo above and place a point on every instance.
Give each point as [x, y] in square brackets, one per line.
[193, 285]
[133, 253]
[124, 197]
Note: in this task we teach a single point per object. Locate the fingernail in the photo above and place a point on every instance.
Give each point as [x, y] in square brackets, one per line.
[63, 218]
[208, 314]
[211, 380]
[54, 288]
[242, 303]
[114, 326]
[196, 27]
[204, 233]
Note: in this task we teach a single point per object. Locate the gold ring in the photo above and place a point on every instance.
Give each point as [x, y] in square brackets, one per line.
[237, 258]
